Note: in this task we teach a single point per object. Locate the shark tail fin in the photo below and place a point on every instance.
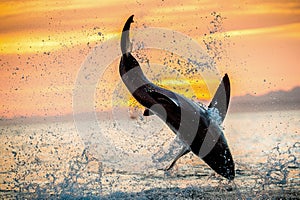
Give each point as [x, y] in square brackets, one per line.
[126, 45]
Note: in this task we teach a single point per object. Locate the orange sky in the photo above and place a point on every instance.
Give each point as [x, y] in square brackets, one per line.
[43, 44]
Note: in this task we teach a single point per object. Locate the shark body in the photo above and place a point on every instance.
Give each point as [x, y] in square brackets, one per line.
[197, 126]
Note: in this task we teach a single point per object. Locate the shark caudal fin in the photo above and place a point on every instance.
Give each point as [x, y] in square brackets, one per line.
[222, 97]
[125, 42]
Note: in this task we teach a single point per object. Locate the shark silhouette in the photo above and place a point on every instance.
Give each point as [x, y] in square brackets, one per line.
[198, 127]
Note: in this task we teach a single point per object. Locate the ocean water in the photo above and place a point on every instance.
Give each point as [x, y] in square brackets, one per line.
[52, 160]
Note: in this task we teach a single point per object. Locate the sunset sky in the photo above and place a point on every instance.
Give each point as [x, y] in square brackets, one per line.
[44, 43]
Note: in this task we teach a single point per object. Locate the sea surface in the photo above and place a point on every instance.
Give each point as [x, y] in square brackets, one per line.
[54, 160]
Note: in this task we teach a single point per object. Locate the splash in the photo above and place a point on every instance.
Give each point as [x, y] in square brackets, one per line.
[280, 163]
[45, 160]
[215, 45]
[215, 115]
[278, 177]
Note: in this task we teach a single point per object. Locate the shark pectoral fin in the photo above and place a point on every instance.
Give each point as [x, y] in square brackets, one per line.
[183, 151]
[221, 98]
[148, 112]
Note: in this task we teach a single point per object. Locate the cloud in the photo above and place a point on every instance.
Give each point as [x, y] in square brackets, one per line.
[286, 31]
[267, 7]
[9, 8]
[39, 42]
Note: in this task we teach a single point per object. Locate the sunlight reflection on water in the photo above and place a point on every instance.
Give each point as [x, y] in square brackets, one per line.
[40, 160]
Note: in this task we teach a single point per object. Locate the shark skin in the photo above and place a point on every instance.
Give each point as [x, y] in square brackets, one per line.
[197, 126]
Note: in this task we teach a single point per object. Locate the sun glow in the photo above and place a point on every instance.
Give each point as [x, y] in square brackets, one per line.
[44, 43]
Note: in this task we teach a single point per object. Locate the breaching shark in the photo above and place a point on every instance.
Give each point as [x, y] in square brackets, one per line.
[197, 126]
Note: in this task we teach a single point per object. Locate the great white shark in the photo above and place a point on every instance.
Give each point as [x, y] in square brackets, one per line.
[197, 126]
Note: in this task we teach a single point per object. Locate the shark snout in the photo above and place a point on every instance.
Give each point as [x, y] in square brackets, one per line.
[220, 159]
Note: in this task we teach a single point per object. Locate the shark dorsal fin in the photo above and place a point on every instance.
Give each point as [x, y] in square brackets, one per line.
[222, 97]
